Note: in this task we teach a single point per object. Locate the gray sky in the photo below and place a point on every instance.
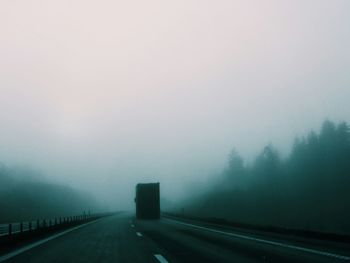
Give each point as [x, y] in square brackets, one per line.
[105, 94]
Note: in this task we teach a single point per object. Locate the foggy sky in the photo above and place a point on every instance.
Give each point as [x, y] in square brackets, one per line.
[105, 94]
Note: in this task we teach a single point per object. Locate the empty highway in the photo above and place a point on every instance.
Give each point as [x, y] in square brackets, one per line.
[122, 238]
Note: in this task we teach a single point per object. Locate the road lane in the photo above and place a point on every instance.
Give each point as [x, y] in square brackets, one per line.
[195, 243]
[121, 238]
[266, 241]
[111, 239]
[34, 244]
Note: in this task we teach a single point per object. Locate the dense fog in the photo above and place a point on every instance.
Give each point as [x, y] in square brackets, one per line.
[27, 195]
[308, 190]
[96, 97]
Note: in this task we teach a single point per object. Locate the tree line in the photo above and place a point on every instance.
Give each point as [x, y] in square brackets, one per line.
[309, 190]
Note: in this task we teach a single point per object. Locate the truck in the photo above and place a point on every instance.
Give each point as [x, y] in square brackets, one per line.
[147, 201]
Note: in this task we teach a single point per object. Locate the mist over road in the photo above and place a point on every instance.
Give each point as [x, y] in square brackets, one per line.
[238, 110]
[121, 238]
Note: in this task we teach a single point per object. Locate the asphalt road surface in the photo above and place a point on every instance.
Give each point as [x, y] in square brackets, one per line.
[121, 238]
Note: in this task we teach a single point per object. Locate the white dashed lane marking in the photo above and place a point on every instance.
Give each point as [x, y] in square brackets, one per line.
[139, 234]
[160, 258]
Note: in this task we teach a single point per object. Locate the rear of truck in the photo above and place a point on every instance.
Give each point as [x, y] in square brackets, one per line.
[147, 201]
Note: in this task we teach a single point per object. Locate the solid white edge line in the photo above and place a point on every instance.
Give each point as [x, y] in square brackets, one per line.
[160, 258]
[42, 241]
[139, 234]
[309, 250]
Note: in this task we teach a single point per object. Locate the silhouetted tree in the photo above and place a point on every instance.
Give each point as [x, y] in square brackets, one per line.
[236, 166]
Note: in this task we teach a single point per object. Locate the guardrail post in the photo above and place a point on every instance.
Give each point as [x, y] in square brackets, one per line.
[37, 224]
[21, 227]
[49, 222]
[55, 220]
[30, 226]
[44, 223]
[10, 229]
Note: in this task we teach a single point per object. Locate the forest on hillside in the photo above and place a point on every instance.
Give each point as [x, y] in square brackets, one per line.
[308, 190]
[26, 195]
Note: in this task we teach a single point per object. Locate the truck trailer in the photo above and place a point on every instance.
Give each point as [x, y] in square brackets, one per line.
[147, 201]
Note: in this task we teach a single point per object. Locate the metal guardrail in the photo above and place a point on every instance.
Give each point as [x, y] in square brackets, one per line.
[20, 227]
